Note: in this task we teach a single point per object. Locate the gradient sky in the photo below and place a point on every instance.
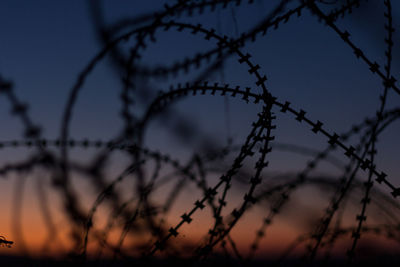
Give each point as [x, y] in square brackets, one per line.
[45, 44]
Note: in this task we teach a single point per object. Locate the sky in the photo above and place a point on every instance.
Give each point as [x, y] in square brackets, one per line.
[46, 44]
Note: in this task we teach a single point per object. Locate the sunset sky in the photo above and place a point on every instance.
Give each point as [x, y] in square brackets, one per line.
[45, 45]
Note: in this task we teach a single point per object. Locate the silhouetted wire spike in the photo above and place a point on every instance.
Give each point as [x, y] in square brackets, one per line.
[381, 177]
[168, 9]
[275, 210]
[249, 198]
[366, 200]
[285, 196]
[300, 115]
[222, 202]
[345, 35]
[396, 192]
[186, 218]
[373, 152]
[259, 233]
[235, 213]
[333, 140]
[389, 83]
[223, 41]
[311, 164]
[210, 34]
[257, 99]
[211, 192]
[374, 67]
[19, 108]
[350, 151]
[159, 245]
[267, 221]
[365, 164]
[245, 95]
[173, 232]
[358, 52]
[317, 127]
[368, 184]
[225, 178]
[356, 235]
[32, 132]
[361, 218]
[255, 180]
[253, 69]
[213, 91]
[212, 232]
[261, 80]
[244, 58]
[199, 205]
[285, 107]
[249, 152]
[389, 42]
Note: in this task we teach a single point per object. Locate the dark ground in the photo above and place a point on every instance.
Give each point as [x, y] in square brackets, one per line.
[20, 261]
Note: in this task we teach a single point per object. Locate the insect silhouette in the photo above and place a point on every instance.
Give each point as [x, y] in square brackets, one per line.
[5, 242]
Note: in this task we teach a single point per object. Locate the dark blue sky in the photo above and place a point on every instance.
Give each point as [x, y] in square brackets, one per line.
[45, 44]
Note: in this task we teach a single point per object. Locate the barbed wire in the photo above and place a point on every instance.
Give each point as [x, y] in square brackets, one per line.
[137, 208]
